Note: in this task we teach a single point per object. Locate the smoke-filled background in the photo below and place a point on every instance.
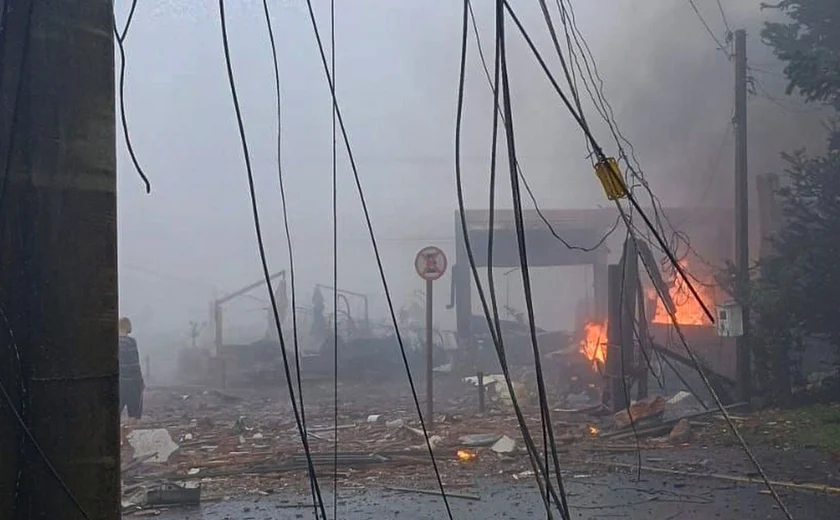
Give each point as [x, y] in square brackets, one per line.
[396, 76]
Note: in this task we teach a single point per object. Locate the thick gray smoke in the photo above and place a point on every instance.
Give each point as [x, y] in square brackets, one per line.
[397, 66]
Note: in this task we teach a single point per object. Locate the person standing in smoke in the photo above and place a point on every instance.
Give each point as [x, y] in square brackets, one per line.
[131, 377]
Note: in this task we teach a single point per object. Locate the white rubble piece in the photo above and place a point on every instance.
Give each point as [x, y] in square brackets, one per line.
[156, 441]
[679, 396]
[504, 445]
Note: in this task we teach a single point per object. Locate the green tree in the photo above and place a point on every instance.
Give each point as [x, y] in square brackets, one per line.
[797, 293]
[809, 44]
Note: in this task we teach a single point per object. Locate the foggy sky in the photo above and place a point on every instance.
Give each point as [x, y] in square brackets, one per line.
[396, 77]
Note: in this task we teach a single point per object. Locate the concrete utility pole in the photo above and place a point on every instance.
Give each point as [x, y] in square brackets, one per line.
[58, 262]
[742, 228]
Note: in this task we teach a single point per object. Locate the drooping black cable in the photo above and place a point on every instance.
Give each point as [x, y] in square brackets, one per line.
[623, 368]
[599, 152]
[287, 229]
[493, 323]
[313, 478]
[375, 246]
[128, 20]
[335, 267]
[497, 114]
[523, 261]
[120, 37]
[725, 20]
[522, 177]
[566, 71]
[711, 33]
[494, 141]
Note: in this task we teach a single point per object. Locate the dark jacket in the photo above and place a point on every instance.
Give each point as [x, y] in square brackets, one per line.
[129, 360]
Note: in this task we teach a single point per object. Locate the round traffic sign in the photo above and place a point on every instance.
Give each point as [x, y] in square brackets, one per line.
[430, 263]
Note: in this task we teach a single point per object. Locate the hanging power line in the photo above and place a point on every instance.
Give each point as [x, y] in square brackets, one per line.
[493, 323]
[602, 158]
[709, 30]
[725, 21]
[670, 255]
[264, 261]
[335, 264]
[545, 409]
[120, 38]
[280, 181]
[375, 245]
[524, 180]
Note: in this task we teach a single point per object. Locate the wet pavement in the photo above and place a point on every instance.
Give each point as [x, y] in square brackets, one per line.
[593, 495]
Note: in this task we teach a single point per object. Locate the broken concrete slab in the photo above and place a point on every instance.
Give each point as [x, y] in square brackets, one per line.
[156, 444]
[478, 440]
[504, 445]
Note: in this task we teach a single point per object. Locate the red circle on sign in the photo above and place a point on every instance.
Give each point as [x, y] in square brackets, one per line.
[430, 263]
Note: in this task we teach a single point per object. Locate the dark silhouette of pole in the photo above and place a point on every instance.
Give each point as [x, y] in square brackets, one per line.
[742, 229]
[58, 263]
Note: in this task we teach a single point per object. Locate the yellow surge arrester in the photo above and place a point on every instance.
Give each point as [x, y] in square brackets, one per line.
[610, 176]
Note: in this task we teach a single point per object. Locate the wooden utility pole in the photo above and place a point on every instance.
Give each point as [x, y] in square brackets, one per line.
[614, 337]
[58, 262]
[742, 252]
[627, 325]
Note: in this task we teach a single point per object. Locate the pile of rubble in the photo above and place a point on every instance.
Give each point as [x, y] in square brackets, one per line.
[212, 445]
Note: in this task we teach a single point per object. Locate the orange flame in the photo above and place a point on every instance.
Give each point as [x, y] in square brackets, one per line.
[466, 455]
[688, 309]
[594, 343]
[593, 431]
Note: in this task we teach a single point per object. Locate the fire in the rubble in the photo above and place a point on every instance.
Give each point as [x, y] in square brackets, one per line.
[466, 455]
[593, 431]
[688, 309]
[594, 343]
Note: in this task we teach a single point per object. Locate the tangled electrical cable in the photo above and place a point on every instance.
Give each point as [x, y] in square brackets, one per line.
[377, 255]
[602, 158]
[626, 218]
[522, 177]
[588, 68]
[313, 479]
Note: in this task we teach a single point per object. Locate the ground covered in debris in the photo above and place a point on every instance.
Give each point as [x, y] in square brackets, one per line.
[238, 454]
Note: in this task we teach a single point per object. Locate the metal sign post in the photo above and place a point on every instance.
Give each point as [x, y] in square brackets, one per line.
[430, 264]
